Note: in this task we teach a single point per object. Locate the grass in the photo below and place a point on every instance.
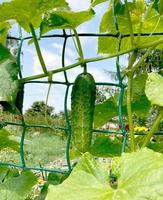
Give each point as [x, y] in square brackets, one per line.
[42, 145]
[44, 149]
[39, 148]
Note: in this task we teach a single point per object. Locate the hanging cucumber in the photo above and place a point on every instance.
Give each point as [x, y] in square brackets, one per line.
[82, 106]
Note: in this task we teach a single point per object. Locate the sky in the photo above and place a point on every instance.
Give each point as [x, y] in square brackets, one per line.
[51, 50]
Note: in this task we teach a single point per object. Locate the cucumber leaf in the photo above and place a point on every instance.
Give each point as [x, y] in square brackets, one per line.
[57, 178]
[140, 13]
[6, 172]
[31, 11]
[104, 112]
[6, 142]
[156, 146]
[141, 107]
[138, 87]
[103, 146]
[140, 104]
[16, 186]
[96, 2]
[62, 19]
[139, 176]
[86, 173]
[8, 78]
[154, 88]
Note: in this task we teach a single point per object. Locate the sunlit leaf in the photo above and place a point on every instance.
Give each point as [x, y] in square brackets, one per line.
[135, 172]
[31, 11]
[147, 18]
[61, 19]
[6, 142]
[16, 186]
[154, 88]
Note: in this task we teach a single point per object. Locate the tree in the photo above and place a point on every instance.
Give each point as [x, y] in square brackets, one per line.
[105, 92]
[40, 108]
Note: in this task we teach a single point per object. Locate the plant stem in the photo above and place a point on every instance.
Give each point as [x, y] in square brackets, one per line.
[129, 112]
[139, 33]
[129, 98]
[78, 44]
[46, 102]
[38, 49]
[74, 42]
[153, 128]
[129, 23]
[80, 51]
[99, 58]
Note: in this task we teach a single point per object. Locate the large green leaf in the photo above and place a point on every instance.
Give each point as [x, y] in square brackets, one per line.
[141, 107]
[87, 173]
[6, 142]
[61, 19]
[148, 16]
[138, 86]
[154, 88]
[6, 172]
[30, 11]
[8, 77]
[15, 186]
[96, 2]
[104, 112]
[108, 109]
[103, 146]
[156, 146]
[4, 27]
[139, 176]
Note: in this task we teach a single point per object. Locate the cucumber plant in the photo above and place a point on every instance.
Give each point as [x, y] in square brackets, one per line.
[126, 28]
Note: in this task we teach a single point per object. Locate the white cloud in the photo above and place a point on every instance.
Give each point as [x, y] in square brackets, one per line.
[69, 52]
[77, 5]
[52, 59]
[2, 1]
[99, 75]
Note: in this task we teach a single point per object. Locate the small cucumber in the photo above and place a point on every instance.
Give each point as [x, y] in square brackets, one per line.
[82, 106]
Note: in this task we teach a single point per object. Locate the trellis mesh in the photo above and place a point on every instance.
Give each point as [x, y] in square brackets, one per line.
[67, 128]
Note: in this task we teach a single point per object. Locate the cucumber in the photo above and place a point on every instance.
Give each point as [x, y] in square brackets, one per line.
[82, 111]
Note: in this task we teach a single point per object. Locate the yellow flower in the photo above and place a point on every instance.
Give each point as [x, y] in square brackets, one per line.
[140, 129]
[40, 181]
